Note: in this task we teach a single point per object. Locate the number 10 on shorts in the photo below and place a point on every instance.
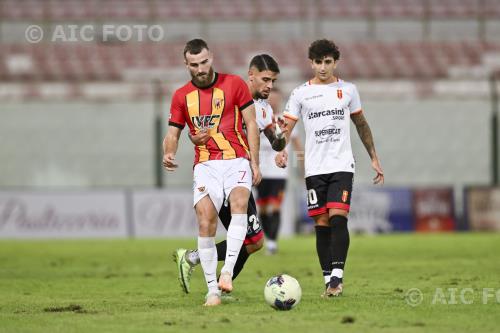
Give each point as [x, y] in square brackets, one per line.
[312, 198]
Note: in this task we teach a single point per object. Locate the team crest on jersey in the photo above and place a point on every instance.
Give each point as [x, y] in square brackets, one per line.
[339, 93]
[201, 189]
[345, 194]
[218, 103]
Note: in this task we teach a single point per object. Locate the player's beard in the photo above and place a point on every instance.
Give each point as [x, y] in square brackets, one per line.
[259, 95]
[203, 79]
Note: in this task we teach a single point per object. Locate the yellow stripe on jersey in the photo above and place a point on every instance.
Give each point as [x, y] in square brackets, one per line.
[218, 103]
[236, 116]
[193, 105]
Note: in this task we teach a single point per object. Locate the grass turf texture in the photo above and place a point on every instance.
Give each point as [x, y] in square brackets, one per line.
[131, 286]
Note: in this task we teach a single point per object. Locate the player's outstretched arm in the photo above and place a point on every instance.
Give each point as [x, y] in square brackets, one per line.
[276, 136]
[248, 115]
[170, 145]
[286, 126]
[365, 134]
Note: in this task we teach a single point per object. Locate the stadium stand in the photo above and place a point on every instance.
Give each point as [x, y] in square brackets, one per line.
[242, 9]
[101, 62]
[404, 55]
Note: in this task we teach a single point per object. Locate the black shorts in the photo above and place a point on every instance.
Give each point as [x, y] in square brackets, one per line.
[270, 190]
[331, 190]
[254, 229]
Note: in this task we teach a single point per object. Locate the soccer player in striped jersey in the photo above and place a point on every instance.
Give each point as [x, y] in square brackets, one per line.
[326, 104]
[263, 72]
[225, 166]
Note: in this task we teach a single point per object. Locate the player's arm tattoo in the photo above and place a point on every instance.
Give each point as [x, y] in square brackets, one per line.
[364, 132]
[276, 143]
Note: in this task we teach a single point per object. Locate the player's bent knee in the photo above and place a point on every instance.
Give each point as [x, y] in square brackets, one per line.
[205, 209]
[275, 208]
[252, 248]
[239, 208]
[321, 220]
[238, 198]
[336, 211]
[206, 215]
[207, 228]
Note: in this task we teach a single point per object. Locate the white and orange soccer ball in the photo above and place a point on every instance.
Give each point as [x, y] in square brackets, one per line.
[282, 292]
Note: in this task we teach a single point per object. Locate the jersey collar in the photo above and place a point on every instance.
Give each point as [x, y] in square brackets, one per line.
[337, 80]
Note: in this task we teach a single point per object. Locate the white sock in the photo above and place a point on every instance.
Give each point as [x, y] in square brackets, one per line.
[235, 236]
[338, 273]
[271, 245]
[208, 259]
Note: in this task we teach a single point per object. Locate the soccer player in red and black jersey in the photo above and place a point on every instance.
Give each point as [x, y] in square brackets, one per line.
[226, 166]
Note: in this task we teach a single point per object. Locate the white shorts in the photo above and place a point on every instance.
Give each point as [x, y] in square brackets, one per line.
[217, 178]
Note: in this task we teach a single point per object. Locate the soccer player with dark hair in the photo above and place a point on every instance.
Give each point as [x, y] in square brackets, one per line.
[225, 166]
[326, 103]
[270, 191]
[262, 73]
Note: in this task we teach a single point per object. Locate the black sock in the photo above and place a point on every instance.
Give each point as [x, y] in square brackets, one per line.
[340, 240]
[275, 219]
[323, 242]
[240, 261]
[221, 250]
[265, 222]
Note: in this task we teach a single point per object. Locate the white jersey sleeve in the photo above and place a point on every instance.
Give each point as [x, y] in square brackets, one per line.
[263, 114]
[268, 168]
[355, 103]
[293, 107]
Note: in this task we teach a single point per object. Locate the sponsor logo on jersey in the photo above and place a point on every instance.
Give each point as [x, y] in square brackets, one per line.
[201, 189]
[263, 113]
[339, 93]
[327, 132]
[204, 121]
[344, 196]
[313, 97]
[326, 113]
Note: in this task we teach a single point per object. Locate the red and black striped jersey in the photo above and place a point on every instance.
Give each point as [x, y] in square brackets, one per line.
[217, 108]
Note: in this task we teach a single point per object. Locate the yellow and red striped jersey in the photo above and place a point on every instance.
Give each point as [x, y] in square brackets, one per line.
[216, 108]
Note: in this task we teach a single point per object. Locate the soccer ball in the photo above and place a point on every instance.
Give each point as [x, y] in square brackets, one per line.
[282, 292]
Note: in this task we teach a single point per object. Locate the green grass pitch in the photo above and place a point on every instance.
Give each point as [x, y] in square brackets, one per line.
[131, 286]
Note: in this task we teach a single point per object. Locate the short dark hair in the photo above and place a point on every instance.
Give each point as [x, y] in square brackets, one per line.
[264, 62]
[195, 46]
[323, 48]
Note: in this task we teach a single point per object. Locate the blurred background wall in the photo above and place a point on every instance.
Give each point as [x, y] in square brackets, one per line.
[82, 83]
